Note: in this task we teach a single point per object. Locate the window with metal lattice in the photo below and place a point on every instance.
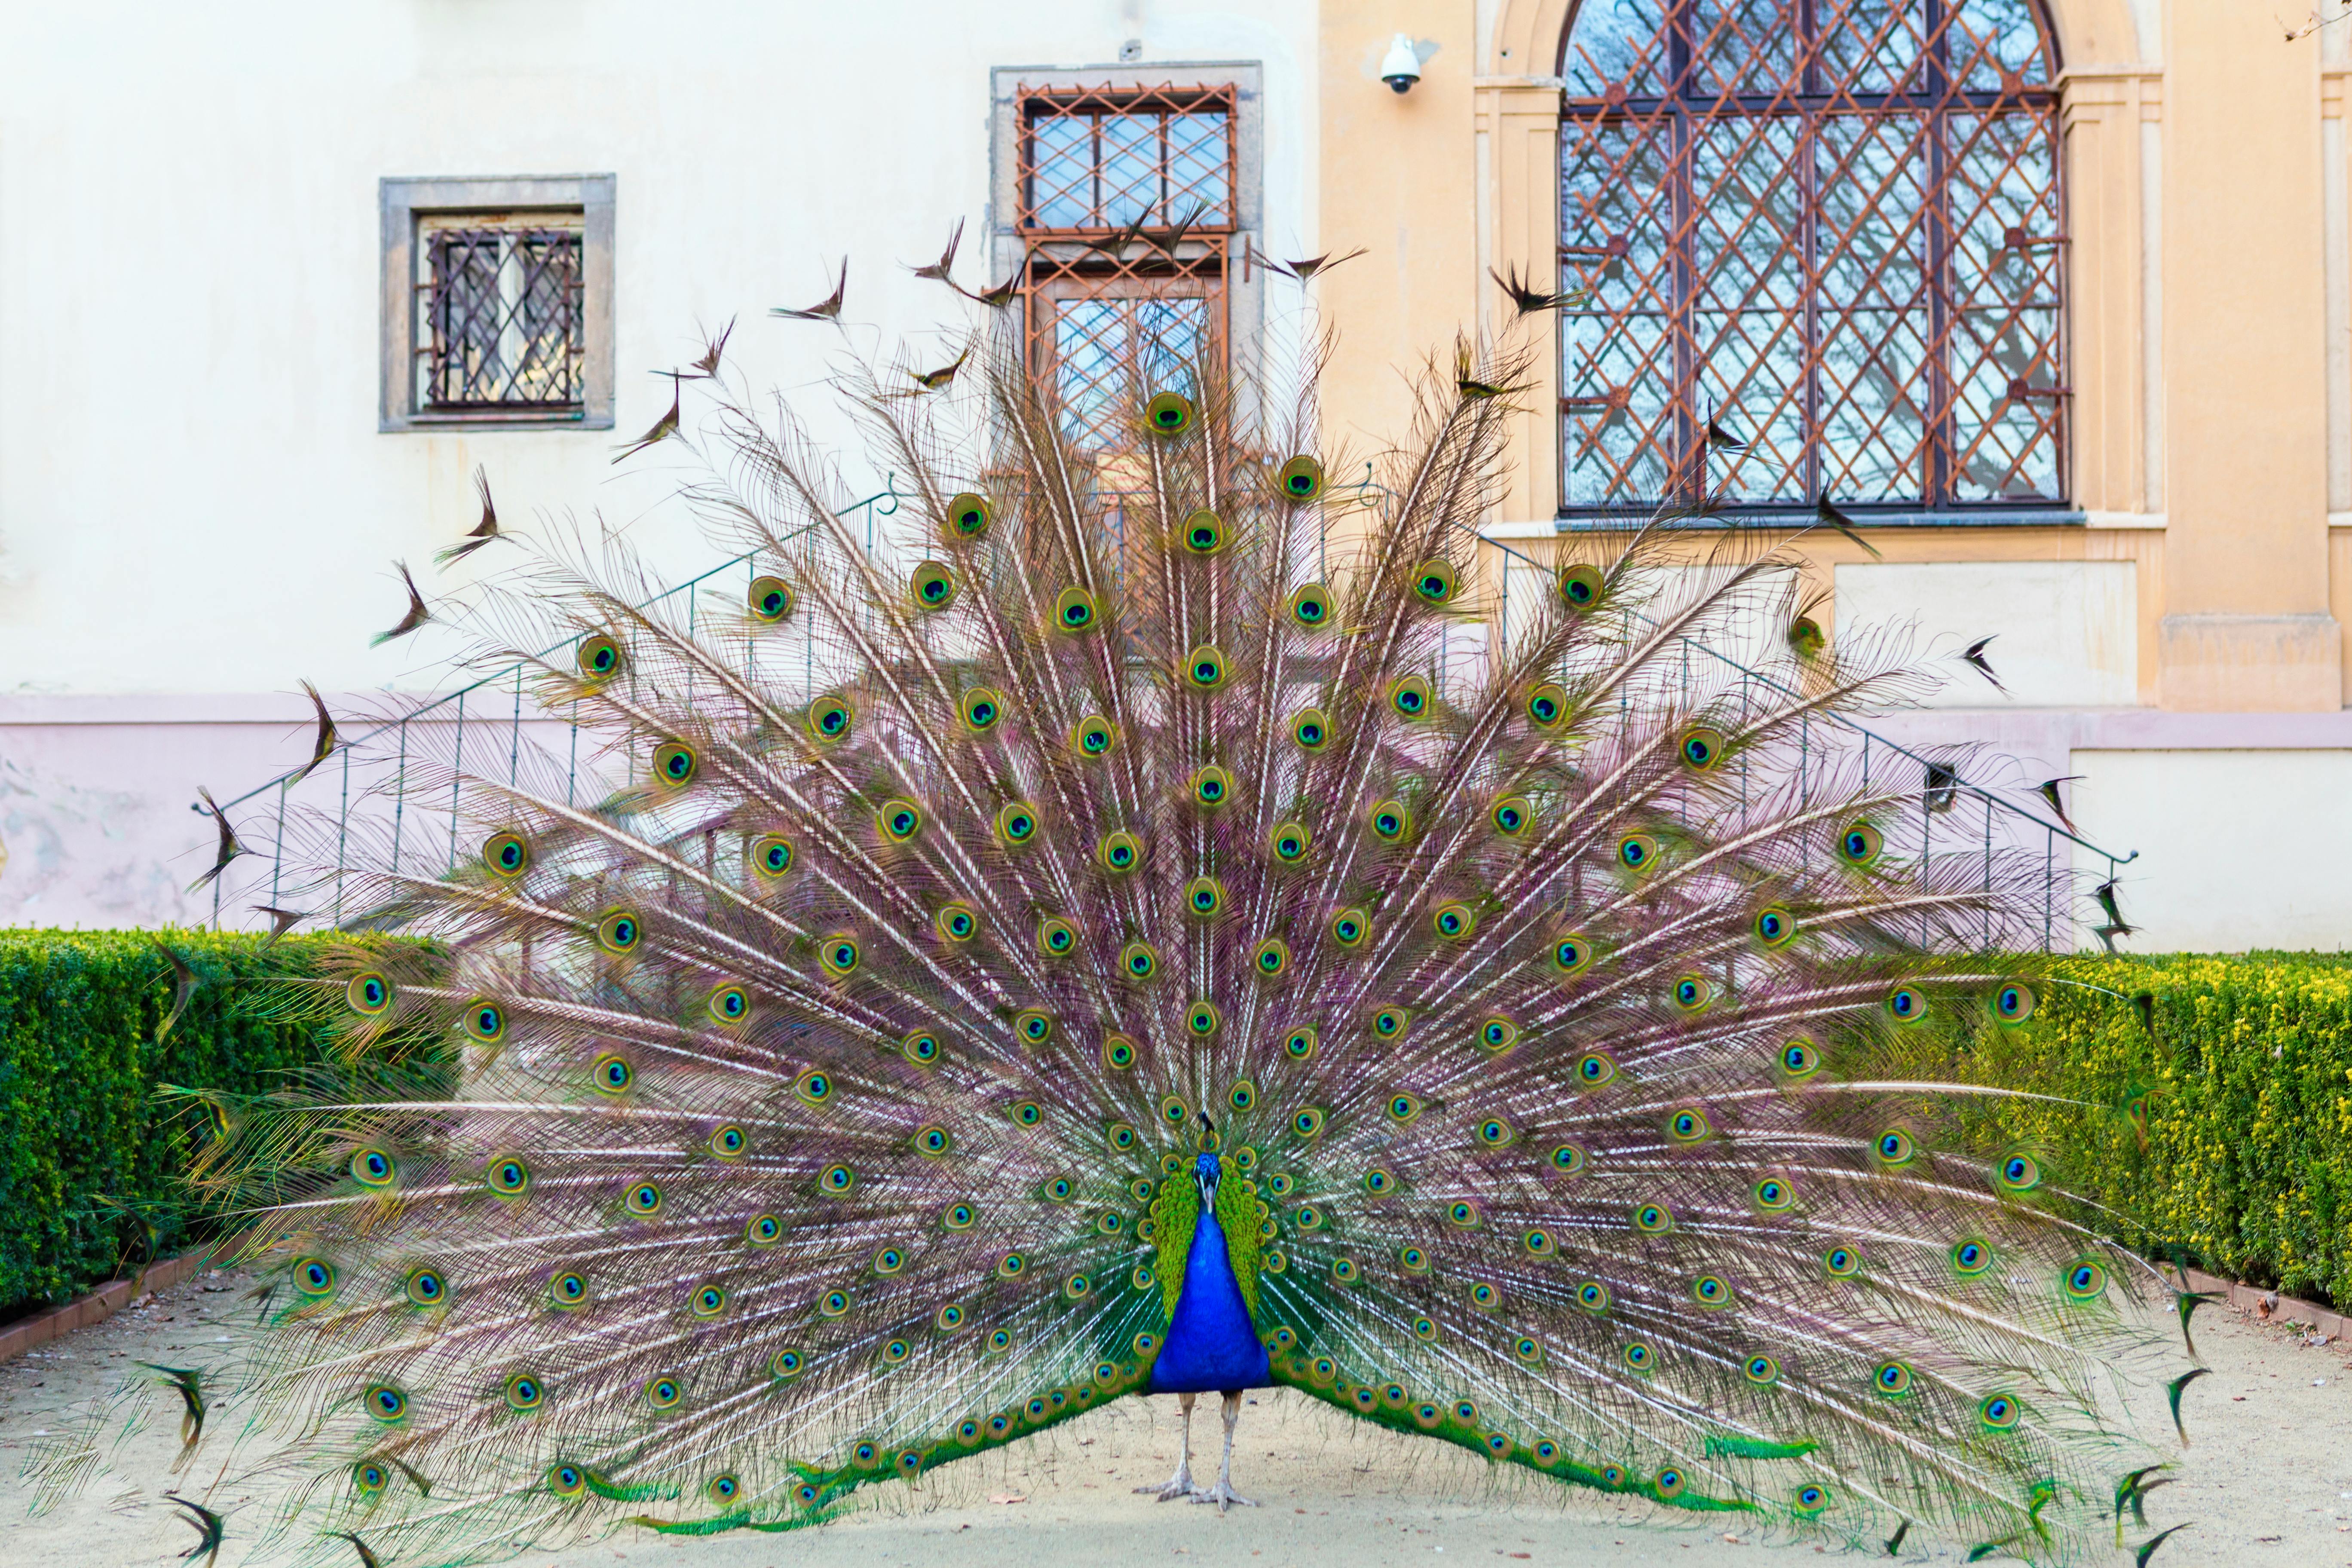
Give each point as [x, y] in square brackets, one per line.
[1831, 229]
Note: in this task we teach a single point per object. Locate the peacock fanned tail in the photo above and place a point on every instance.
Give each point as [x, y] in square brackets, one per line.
[1584, 1042]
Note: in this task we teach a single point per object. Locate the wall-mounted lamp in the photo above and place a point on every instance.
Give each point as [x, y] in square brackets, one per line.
[1401, 66]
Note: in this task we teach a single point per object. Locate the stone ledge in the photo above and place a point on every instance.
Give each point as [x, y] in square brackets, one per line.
[2267, 1304]
[103, 1302]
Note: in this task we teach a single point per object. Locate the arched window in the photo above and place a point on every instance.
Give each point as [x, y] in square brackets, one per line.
[1832, 227]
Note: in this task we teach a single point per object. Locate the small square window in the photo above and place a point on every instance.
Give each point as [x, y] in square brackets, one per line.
[498, 303]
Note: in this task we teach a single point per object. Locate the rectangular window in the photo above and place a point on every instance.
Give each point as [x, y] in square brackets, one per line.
[498, 303]
[1131, 202]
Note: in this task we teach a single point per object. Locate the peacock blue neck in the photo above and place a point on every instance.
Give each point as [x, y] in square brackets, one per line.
[1211, 1346]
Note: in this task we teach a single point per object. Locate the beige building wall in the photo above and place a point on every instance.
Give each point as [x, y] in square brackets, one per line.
[2185, 644]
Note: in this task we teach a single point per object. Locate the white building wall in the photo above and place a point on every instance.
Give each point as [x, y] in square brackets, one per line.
[196, 509]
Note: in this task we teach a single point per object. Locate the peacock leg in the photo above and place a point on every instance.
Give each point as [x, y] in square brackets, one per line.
[1180, 1483]
[1223, 1493]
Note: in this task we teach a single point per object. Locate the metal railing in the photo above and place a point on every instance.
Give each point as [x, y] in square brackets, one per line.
[374, 808]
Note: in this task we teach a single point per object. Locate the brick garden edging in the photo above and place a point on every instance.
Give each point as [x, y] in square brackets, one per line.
[103, 1302]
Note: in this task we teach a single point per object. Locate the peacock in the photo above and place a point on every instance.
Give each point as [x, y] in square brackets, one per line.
[1175, 918]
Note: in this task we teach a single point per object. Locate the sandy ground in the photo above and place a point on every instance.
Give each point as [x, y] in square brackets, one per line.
[2268, 1482]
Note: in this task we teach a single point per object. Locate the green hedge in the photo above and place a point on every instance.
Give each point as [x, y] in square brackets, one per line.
[82, 1138]
[2245, 1166]
[2244, 1066]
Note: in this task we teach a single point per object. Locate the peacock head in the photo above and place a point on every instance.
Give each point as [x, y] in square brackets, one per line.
[1206, 1167]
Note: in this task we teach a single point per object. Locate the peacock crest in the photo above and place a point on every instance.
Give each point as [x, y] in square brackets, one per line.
[1176, 907]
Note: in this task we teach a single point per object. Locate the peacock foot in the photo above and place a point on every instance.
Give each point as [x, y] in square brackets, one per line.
[1222, 1495]
[1180, 1485]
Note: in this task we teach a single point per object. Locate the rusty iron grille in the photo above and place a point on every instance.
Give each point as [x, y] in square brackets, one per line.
[1127, 218]
[503, 323]
[1834, 228]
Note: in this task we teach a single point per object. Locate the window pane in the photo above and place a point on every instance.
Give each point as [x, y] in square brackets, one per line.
[1108, 350]
[1836, 235]
[503, 323]
[1620, 42]
[1061, 178]
[1199, 176]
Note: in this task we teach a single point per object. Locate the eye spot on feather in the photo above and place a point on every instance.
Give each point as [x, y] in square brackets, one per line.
[838, 955]
[2084, 1281]
[1389, 1024]
[1971, 1259]
[485, 1022]
[1652, 1218]
[1567, 1160]
[508, 854]
[1343, 1271]
[1203, 532]
[763, 1230]
[1595, 1068]
[385, 1403]
[676, 763]
[1120, 853]
[568, 1289]
[1299, 1045]
[1202, 1020]
[1637, 852]
[1139, 962]
[894, 1353]
[921, 1047]
[567, 1481]
[1998, 1412]
[1799, 1060]
[1463, 1213]
[2018, 1172]
[1545, 1452]
[1841, 1262]
[1350, 928]
[1711, 1291]
[1426, 1415]
[1028, 1113]
[1434, 583]
[1546, 706]
[368, 1477]
[729, 1006]
[599, 657]
[1011, 1266]
[959, 1217]
[1892, 1380]
[1075, 611]
[2013, 1003]
[1205, 669]
[1578, 586]
[1762, 1370]
[1538, 1243]
[1497, 1035]
[1858, 844]
[787, 1363]
[1810, 1500]
[1613, 1476]
[831, 718]
[1640, 1358]
[1689, 1125]
[1307, 1123]
[1310, 730]
[969, 515]
[314, 1279]
[1772, 1194]
[1169, 413]
[956, 923]
[368, 995]
[374, 1168]
[644, 1199]
[1774, 926]
[1893, 1149]
[723, 1490]
[1211, 787]
[1243, 1096]
[1494, 1132]
[769, 599]
[899, 821]
[1016, 824]
[1511, 815]
[836, 1181]
[933, 585]
[835, 1304]
[1906, 1004]
[1389, 820]
[1122, 1136]
[1299, 479]
[1034, 1026]
[708, 1302]
[1093, 736]
[933, 1140]
[1310, 606]
[425, 1288]
[1692, 995]
[1118, 1053]
[1455, 920]
[1409, 697]
[1289, 841]
[1592, 1296]
[814, 1087]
